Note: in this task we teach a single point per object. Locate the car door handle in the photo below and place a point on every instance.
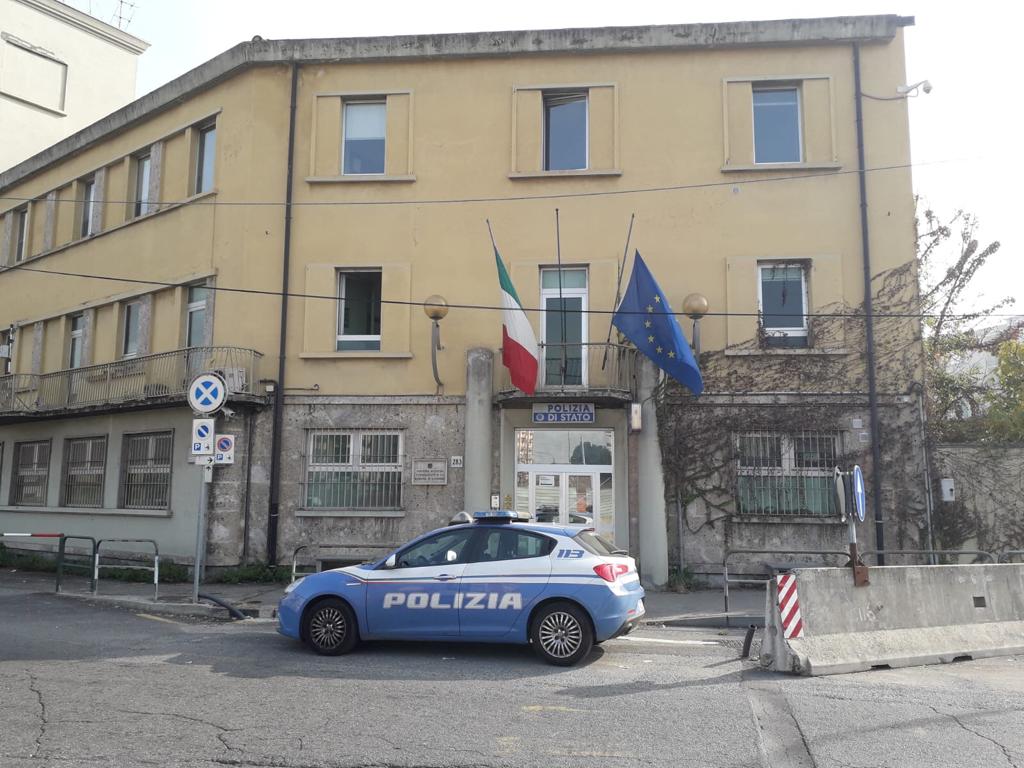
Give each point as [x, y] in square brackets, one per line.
[445, 577]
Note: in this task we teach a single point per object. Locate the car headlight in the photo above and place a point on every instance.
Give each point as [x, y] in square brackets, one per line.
[293, 585]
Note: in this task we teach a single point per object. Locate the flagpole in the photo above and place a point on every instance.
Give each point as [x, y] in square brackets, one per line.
[618, 288]
[561, 299]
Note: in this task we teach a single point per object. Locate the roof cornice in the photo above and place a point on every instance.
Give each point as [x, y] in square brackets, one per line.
[87, 23]
[842, 30]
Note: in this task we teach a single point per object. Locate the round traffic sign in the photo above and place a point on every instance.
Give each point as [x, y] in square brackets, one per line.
[207, 393]
[859, 494]
[225, 443]
[202, 431]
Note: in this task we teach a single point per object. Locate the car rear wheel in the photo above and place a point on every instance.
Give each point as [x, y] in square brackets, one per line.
[561, 634]
[329, 627]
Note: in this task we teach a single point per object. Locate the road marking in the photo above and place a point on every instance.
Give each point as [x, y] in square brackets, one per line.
[156, 618]
[666, 642]
[542, 708]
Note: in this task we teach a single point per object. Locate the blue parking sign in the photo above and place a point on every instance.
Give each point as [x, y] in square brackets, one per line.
[859, 494]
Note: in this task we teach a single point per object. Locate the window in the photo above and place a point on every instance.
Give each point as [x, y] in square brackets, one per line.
[195, 320]
[782, 297]
[88, 206]
[146, 470]
[441, 549]
[563, 295]
[508, 544]
[205, 151]
[359, 310]
[77, 341]
[143, 203]
[130, 334]
[565, 131]
[354, 469]
[31, 474]
[786, 474]
[364, 130]
[777, 125]
[6, 353]
[21, 227]
[85, 463]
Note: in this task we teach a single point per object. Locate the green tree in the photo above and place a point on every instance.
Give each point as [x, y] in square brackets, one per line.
[1006, 400]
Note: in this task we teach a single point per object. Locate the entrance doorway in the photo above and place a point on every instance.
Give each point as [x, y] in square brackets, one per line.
[566, 476]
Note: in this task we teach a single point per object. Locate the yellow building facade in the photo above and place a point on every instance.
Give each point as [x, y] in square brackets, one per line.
[305, 197]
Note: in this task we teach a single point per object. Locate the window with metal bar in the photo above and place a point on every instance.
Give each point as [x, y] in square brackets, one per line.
[85, 464]
[31, 474]
[786, 473]
[146, 470]
[353, 469]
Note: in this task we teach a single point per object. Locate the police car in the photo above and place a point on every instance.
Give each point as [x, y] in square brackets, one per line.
[498, 579]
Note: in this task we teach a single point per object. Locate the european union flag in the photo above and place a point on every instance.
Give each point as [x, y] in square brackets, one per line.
[645, 318]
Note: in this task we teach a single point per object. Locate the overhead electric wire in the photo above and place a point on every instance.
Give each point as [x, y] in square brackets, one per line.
[500, 199]
[487, 307]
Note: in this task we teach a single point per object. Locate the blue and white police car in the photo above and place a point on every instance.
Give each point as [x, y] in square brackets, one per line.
[498, 579]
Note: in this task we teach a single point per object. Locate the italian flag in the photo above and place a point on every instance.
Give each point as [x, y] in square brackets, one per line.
[518, 344]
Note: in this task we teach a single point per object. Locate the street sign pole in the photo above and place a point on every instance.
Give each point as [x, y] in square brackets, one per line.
[860, 571]
[201, 527]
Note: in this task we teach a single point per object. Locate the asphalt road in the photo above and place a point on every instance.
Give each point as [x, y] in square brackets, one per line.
[92, 685]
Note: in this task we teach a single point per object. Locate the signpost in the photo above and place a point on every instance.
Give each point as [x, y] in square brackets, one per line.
[224, 450]
[850, 492]
[206, 396]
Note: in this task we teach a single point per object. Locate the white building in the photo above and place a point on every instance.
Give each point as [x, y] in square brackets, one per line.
[60, 70]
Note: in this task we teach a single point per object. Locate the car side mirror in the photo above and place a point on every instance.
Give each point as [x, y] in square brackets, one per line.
[391, 561]
[451, 556]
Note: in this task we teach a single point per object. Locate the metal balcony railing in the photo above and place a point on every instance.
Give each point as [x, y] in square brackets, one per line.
[580, 368]
[150, 377]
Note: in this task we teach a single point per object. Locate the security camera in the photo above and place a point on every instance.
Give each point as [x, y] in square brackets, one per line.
[228, 413]
[909, 90]
[926, 86]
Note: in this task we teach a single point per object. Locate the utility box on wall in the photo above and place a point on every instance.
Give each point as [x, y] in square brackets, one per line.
[948, 489]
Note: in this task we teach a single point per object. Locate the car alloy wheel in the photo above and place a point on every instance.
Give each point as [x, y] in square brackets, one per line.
[561, 634]
[329, 627]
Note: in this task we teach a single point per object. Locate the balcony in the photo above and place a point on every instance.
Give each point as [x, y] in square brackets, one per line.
[144, 381]
[598, 372]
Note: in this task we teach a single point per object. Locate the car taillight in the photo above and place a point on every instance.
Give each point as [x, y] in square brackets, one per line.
[610, 571]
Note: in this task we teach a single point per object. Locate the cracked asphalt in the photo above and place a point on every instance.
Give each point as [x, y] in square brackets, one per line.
[91, 685]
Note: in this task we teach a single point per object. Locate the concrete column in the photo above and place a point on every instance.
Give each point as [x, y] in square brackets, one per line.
[479, 440]
[7, 243]
[156, 172]
[145, 323]
[50, 221]
[99, 206]
[37, 347]
[88, 334]
[651, 485]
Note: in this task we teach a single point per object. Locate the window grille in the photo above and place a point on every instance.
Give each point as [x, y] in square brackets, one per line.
[353, 469]
[786, 473]
[146, 470]
[85, 462]
[31, 474]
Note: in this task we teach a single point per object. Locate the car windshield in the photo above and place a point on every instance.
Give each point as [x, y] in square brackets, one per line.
[597, 545]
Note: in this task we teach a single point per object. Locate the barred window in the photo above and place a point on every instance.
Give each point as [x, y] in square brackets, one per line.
[353, 469]
[786, 474]
[85, 463]
[146, 470]
[31, 474]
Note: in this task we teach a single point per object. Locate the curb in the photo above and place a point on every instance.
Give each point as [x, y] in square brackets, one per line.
[708, 620]
[202, 610]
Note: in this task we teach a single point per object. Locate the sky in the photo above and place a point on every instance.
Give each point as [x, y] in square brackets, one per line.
[964, 134]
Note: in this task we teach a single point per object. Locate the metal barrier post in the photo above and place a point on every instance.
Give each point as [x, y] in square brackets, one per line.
[155, 568]
[1004, 557]
[320, 547]
[61, 551]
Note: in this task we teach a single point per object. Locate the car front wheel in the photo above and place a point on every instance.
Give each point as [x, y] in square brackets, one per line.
[561, 634]
[329, 627]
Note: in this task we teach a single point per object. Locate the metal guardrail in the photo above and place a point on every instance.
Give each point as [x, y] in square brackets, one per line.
[321, 547]
[726, 581]
[1008, 555]
[931, 553]
[594, 366]
[162, 375]
[88, 566]
[155, 568]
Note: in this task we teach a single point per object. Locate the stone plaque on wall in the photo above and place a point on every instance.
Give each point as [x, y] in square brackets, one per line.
[430, 472]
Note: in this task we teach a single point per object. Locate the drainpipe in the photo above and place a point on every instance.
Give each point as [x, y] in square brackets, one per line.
[278, 428]
[869, 319]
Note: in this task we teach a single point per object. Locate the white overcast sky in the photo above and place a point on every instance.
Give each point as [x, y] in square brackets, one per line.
[965, 135]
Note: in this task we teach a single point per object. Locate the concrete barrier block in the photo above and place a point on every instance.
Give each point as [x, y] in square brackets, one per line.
[906, 616]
